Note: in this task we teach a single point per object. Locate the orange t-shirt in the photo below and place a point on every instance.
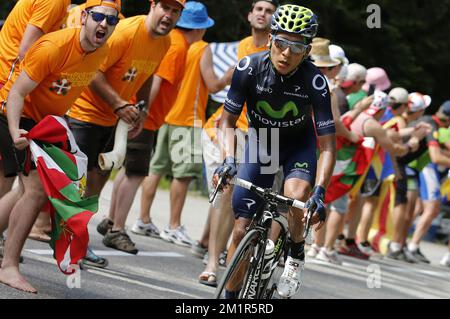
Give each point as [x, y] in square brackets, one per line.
[44, 14]
[245, 47]
[190, 107]
[132, 59]
[171, 71]
[62, 70]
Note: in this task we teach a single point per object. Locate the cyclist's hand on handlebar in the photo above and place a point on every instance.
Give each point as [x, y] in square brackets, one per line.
[228, 167]
[315, 204]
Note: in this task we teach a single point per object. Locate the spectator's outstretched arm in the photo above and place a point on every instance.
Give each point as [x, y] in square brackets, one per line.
[213, 83]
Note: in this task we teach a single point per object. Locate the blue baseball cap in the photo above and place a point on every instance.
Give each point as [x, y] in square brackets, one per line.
[445, 108]
[195, 16]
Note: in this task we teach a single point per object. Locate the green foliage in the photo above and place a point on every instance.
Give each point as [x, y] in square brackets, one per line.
[412, 43]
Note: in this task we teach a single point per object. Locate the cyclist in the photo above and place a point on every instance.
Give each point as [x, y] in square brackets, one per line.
[283, 91]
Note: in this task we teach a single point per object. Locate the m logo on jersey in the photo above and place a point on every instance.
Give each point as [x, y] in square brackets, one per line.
[61, 86]
[130, 75]
[280, 114]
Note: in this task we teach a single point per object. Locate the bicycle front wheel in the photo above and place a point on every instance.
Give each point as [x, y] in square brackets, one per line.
[243, 267]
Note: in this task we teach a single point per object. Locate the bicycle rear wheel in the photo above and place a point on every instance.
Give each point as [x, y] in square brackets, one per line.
[246, 262]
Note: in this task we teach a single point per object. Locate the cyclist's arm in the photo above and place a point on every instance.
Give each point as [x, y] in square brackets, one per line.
[227, 139]
[327, 159]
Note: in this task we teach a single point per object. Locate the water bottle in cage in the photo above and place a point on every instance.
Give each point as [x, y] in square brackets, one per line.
[268, 257]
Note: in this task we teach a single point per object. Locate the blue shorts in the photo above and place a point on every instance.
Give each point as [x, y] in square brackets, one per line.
[430, 183]
[299, 160]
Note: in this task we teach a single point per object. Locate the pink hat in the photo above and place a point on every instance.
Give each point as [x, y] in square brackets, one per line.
[378, 77]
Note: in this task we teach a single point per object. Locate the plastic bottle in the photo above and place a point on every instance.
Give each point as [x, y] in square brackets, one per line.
[268, 257]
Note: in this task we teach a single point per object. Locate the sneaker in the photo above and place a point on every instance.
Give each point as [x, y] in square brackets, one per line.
[139, 228]
[105, 225]
[121, 241]
[366, 248]
[331, 257]
[198, 250]
[409, 257]
[291, 279]
[419, 256]
[92, 260]
[222, 258]
[445, 261]
[396, 254]
[2, 250]
[313, 251]
[352, 250]
[177, 236]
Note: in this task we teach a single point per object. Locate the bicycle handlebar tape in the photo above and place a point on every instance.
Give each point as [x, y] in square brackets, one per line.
[115, 158]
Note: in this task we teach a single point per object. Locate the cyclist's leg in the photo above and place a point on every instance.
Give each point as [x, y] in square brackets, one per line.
[245, 204]
[300, 170]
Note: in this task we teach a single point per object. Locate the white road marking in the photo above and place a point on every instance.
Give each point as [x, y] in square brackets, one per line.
[49, 252]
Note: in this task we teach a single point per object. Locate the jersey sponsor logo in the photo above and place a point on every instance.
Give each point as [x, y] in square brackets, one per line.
[130, 75]
[320, 84]
[280, 114]
[250, 202]
[261, 89]
[243, 64]
[301, 165]
[325, 124]
[277, 123]
[232, 103]
[61, 86]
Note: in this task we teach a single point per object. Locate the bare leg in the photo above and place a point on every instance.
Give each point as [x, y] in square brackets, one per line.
[334, 228]
[412, 197]
[178, 191]
[116, 186]
[124, 200]
[7, 203]
[96, 180]
[149, 187]
[399, 219]
[204, 240]
[364, 225]
[221, 225]
[353, 223]
[41, 227]
[22, 218]
[431, 210]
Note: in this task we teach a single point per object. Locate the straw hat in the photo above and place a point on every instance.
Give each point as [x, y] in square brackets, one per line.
[320, 53]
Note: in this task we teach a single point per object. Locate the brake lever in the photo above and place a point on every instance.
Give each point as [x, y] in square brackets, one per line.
[308, 224]
[219, 184]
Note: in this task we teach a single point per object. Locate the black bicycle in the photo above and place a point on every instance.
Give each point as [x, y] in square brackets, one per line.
[248, 262]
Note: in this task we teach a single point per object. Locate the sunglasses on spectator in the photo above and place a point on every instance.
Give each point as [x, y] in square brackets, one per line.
[294, 46]
[99, 17]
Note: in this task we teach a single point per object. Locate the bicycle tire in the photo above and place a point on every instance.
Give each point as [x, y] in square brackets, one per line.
[249, 241]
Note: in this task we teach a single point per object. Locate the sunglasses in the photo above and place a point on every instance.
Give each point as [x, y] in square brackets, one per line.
[294, 47]
[99, 17]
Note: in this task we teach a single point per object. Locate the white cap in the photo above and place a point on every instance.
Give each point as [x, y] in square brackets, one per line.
[355, 73]
[336, 52]
[398, 95]
[418, 102]
[380, 102]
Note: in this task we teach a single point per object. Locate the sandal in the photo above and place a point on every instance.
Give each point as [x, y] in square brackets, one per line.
[208, 278]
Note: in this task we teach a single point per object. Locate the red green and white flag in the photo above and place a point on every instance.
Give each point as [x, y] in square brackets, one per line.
[62, 168]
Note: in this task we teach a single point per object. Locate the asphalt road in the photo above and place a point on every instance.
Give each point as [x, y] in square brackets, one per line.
[165, 271]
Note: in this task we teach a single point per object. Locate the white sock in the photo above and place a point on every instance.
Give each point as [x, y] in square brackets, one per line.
[395, 246]
[413, 247]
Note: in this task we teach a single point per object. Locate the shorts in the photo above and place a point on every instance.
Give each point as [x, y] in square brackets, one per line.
[92, 139]
[139, 153]
[12, 158]
[413, 179]
[299, 160]
[430, 184]
[402, 186]
[178, 152]
[213, 158]
[340, 205]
